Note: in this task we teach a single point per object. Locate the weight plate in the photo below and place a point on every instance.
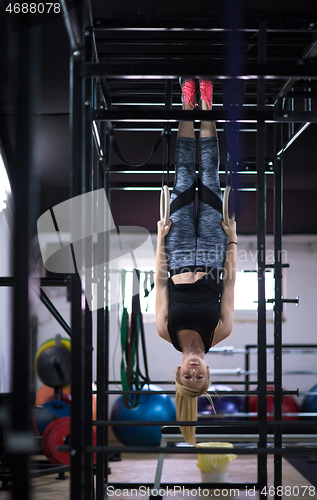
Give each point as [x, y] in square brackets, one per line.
[53, 365]
[51, 411]
[55, 435]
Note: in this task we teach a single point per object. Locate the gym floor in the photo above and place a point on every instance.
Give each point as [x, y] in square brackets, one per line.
[136, 468]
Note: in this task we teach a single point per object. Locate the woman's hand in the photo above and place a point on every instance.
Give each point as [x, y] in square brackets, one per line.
[230, 230]
[163, 230]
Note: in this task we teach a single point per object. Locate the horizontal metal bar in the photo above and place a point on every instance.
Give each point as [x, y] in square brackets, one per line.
[175, 115]
[173, 68]
[284, 346]
[245, 168]
[200, 423]
[50, 470]
[232, 350]
[209, 22]
[184, 450]
[9, 281]
[155, 127]
[184, 486]
[157, 185]
[218, 115]
[216, 382]
[218, 393]
[297, 117]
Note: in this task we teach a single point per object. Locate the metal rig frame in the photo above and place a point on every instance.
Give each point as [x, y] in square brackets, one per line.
[93, 85]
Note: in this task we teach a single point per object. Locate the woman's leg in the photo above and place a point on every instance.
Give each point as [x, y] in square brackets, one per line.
[188, 86]
[181, 239]
[186, 129]
[211, 238]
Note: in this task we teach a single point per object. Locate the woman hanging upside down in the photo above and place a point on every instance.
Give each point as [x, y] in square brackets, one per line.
[195, 260]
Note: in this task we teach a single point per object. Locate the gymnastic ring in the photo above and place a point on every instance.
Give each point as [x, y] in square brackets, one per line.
[228, 205]
[165, 204]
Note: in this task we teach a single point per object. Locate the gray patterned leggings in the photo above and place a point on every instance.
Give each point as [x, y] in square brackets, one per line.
[196, 243]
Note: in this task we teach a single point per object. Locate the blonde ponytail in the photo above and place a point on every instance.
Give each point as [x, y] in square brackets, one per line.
[186, 405]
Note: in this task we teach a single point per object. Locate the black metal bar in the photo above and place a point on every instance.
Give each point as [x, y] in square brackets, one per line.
[284, 91]
[88, 347]
[158, 115]
[25, 213]
[52, 469]
[184, 450]
[151, 115]
[173, 68]
[9, 281]
[296, 116]
[210, 23]
[278, 305]
[245, 165]
[154, 185]
[247, 378]
[216, 382]
[261, 232]
[77, 117]
[147, 126]
[107, 290]
[71, 24]
[212, 424]
[294, 136]
[52, 309]
[219, 393]
[310, 52]
[182, 488]
[101, 337]
[286, 346]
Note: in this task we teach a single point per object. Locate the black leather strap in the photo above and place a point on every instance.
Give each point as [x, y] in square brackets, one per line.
[183, 198]
[207, 196]
[115, 147]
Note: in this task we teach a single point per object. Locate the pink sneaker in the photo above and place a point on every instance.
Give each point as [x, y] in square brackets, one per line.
[188, 87]
[206, 89]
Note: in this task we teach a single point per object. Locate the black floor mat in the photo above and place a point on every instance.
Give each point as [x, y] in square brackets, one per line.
[304, 466]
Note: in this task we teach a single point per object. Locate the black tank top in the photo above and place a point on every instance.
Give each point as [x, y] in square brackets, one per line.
[194, 306]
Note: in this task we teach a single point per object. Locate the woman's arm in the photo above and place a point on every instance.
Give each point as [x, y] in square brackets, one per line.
[161, 280]
[225, 325]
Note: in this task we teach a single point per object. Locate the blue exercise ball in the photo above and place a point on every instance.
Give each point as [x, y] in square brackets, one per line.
[151, 407]
[223, 404]
[309, 404]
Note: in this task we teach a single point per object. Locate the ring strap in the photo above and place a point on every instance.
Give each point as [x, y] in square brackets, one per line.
[183, 198]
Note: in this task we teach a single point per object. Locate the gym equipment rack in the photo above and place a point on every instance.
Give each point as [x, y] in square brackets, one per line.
[164, 42]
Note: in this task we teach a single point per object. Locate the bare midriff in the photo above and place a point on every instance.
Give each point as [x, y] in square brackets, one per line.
[189, 277]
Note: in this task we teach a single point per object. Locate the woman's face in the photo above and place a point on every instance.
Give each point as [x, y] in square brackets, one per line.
[193, 372]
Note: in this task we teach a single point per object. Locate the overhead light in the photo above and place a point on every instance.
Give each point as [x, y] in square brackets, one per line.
[5, 188]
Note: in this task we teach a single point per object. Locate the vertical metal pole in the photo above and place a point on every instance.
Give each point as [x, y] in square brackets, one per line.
[107, 293]
[261, 230]
[103, 249]
[278, 305]
[247, 376]
[77, 90]
[88, 458]
[25, 196]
